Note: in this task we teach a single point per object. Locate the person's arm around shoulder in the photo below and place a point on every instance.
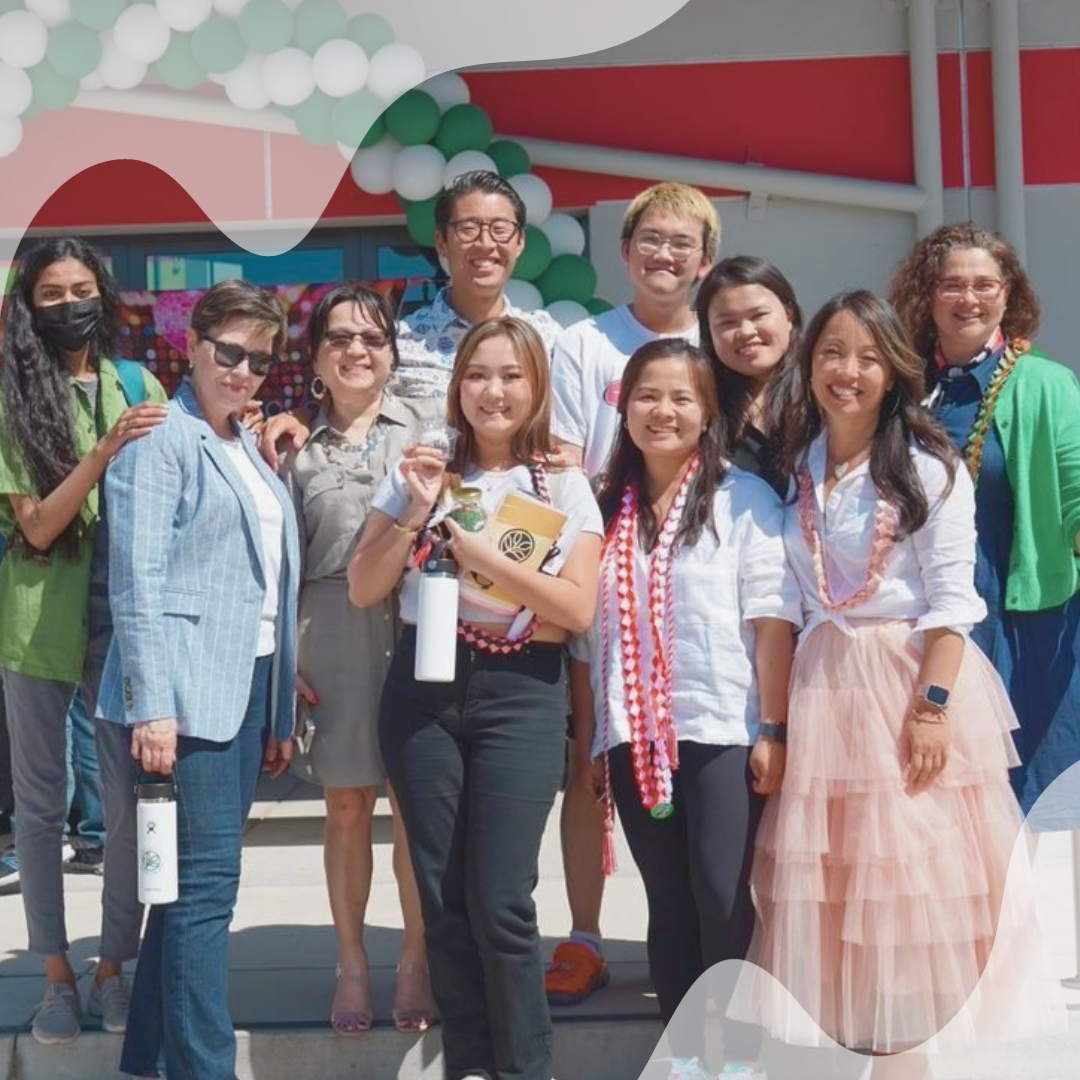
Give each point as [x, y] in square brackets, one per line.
[283, 432]
[568, 423]
[383, 552]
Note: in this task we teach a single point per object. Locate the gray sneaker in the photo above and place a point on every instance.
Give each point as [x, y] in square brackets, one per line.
[111, 1002]
[58, 1018]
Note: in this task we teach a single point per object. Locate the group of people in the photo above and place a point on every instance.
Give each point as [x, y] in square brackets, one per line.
[863, 533]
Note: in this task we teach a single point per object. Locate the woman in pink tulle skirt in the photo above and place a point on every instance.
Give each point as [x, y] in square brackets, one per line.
[880, 870]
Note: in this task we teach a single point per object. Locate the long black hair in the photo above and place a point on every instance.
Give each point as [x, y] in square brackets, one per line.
[902, 416]
[627, 463]
[33, 375]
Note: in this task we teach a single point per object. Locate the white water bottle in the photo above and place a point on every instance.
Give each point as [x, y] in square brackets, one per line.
[156, 822]
[436, 621]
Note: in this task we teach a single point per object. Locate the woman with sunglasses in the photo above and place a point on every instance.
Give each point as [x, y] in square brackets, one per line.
[359, 432]
[64, 412]
[204, 566]
[971, 310]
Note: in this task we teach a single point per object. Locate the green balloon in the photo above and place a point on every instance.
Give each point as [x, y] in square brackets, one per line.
[568, 277]
[375, 132]
[217, 45]
[52, 89]
[177, 67]
[353, 115]
[97, 14]
[316, 22]
[266, 25]
[534, 260]
[597, 306]
[314, 118]
[371, 32]
[511, 158]
[73, 49]
[420, 221]
[463, 127]
[413, 118]
[5, 7]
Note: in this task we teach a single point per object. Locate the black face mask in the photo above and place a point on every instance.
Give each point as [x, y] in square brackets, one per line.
[69, 326]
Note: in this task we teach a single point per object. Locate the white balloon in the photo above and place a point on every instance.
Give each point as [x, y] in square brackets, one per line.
[373, 168]
[23, 39]
[93, 81]
[16, 90]
[448, 89]
[418, 172]
[567, 312]
[524, 295]
[50, 12]
[185, 14]
[11, 130]
[141, 34]
[230, 8]
[287, 76]
[118, 70]
[346, 151]
[245, 86]
[220, 77]
[340, 67]
[467, 161]
[565, 233]
[395, 68]
[536, 196]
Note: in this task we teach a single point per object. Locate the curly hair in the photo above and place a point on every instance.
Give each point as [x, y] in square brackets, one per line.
[34, 378]
[903, 417]
[626, 465]
[912, 289]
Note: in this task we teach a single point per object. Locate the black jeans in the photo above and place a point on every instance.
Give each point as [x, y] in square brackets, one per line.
[475, 765]
[695, 866]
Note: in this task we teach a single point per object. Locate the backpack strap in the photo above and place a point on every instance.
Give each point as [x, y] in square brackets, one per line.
[132, 380]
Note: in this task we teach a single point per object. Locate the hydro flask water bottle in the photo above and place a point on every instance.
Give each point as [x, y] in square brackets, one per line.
[156, 817]
[436, 621]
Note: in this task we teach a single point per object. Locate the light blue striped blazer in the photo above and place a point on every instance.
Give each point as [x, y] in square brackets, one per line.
[186, 582]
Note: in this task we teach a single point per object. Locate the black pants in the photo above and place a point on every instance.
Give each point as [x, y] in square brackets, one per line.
[475, 765]
[696, 869]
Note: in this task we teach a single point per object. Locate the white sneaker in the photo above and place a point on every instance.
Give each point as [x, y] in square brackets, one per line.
[110, 1002]
[686, 1069]
[743, 1070]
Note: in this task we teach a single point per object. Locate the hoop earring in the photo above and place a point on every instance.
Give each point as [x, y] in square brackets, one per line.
[318, 388]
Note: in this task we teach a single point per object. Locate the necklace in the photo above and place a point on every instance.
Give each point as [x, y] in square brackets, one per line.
[884, 539]
[653, 739]
[973, 449]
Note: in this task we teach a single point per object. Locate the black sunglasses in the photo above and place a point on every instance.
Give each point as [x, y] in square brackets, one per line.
[228, 355]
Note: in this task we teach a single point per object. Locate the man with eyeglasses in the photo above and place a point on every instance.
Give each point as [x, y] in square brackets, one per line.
[670, 237]
[479, 234]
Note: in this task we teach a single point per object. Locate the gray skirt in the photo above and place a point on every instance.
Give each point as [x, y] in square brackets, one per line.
[343, 653]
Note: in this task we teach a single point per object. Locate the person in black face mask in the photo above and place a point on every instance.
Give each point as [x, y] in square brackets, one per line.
[64, 413]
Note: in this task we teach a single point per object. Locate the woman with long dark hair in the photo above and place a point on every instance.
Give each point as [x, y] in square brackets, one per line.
[685, 682]
[880, 867]
[750, 324]
[65, 411]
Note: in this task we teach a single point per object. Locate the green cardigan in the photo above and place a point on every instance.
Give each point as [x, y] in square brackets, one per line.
[1037, 420]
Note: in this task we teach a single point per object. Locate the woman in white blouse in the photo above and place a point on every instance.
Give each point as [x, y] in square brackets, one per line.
[684, 696]
[880, 867]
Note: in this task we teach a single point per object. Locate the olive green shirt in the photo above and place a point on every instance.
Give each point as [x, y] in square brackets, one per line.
[44, 602]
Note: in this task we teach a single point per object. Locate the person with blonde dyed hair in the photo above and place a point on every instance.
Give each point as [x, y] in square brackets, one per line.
[476, 763]
[670, 237]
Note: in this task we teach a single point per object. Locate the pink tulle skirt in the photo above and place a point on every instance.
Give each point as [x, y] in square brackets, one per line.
[878, 906]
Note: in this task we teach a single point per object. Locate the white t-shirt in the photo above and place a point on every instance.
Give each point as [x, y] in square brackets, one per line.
[929, 576]
[570, 493]
[718, 587]
[586, 372]
[272, 526]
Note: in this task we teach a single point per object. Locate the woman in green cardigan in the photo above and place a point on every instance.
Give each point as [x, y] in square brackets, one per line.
[1015, 416]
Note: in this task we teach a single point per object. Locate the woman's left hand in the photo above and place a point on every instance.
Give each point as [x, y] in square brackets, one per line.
[767, 761]
[925, 749]
[251, 416]
[472, 550]
[277, 755]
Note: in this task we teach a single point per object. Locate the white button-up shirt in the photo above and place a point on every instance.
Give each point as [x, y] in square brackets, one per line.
[428, 339]
[718, 587]
[928, 577]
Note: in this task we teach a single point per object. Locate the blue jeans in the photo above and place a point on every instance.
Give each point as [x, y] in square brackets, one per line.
[84, 778]
[179, 1001]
